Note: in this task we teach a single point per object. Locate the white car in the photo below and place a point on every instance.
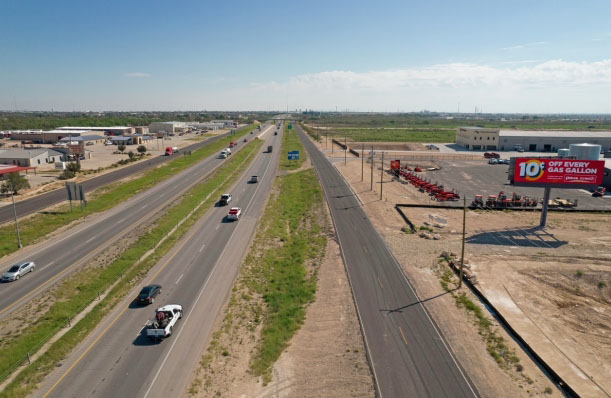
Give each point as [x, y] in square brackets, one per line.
[234, 214]
[18, 270]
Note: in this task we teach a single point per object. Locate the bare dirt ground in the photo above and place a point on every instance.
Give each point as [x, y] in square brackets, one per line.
[551, 284]
[325, 358]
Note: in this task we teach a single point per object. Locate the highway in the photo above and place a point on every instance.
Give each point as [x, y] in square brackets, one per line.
[408, 354]
[42, 201]
[116, 360]
[57, 257]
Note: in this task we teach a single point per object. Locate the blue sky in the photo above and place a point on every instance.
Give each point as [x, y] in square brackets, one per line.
[518, 56]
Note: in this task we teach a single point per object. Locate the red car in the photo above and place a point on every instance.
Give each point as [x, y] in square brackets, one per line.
[491, 155]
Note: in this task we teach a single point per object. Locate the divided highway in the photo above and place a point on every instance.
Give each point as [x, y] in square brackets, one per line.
[39, 202]
[57, 257]
[116, 360]
[409, 356]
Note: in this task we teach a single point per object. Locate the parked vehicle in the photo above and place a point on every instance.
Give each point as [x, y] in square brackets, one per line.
[164, 321]
[89, 143]
[18, 270]
[148, 293]
[492, 161]
[254, 179]
[599, 192]
[225, 199]
[234, 214]
[491, 155]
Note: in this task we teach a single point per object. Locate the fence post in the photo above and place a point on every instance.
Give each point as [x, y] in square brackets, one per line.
[29, 361]
[98, 295]
[69, 322]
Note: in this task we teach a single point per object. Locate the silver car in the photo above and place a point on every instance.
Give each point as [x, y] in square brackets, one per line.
[18, 270]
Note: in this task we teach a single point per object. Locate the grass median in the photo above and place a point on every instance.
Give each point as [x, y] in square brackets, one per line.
[38, 226]
[75, 293]
[291, 142]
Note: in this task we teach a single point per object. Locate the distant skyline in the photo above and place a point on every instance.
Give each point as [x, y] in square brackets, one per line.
[517, 57]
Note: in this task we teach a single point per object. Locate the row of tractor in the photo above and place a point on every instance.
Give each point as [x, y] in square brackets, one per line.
[503, 201]
[435, 191]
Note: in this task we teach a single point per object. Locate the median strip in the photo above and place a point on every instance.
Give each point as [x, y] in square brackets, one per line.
[118, 278]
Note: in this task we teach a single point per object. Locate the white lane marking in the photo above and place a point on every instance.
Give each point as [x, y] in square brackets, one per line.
[145, 205]
[51, 263]
[90, 239]
[217, 227]
[179, 278]
[202, 248]
[120, 221]
[243, 189]
[161, 195]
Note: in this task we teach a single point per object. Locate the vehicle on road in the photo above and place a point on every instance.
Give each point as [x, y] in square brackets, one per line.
[254, 179]
[269, 148]
[599, 192]
[232, 144]
[148, 293]
[234, 214]
[245, 139]
[223, 155]
[225, 199]
[18, 270]
[164, 321]
[169, 151]
[275, 133]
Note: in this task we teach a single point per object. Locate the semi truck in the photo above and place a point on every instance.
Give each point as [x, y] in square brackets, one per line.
[164, 321]
[169, 151]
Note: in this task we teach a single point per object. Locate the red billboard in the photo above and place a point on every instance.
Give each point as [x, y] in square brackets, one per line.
[566, 172]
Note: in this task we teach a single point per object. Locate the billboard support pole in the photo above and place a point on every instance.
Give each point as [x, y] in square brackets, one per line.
[546, 196]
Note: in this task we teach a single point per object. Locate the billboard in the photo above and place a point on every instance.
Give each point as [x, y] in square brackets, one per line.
[555, 172]
[395, 164]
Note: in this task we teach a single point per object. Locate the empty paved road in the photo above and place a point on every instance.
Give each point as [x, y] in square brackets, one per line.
[409, 356]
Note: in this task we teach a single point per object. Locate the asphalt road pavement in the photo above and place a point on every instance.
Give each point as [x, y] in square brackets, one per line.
[42, 201]
[57, 257]
[409, 356]
[116, 360]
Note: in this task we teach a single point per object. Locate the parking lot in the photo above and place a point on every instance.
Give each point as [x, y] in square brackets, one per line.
[477, 177]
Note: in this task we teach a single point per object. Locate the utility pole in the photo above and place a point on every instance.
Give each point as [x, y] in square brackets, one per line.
[362, 161]
[382, 176]
[372, 168]
[331, 143]
[345, 150]
[462, 252]
[15, 214]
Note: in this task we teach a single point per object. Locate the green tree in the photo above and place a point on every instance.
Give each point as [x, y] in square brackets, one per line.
[71, 170]
[132, 155]
[142, 149]
[121, 147]
[17, 181]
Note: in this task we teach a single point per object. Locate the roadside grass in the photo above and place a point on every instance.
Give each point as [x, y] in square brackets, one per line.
[496, 345]
[393, 135]
[81, 289]
[40, 225]
[291, 142]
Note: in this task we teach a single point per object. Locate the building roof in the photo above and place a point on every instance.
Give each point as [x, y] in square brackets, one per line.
[7, 169]
[121, 138]
[26, 153]
[84, 138]
[94, 128]
[555, 133]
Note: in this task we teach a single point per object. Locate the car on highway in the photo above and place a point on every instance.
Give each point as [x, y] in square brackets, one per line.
[225, 199]
[18, 270]
[234, 214]
[164, 321]
[275, 133]
[148, 293]
[254, 179]
[245, 139]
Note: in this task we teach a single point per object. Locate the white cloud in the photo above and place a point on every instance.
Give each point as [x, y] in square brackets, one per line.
[550, 86]
[137, 74]
[520, 46]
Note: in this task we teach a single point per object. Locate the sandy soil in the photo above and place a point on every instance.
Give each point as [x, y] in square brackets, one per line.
[325, 358]
[551, 284]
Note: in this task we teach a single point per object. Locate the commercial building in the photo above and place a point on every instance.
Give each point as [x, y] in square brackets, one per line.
[114, 130]
[228, 124]
[29, 157]
[476, 138]
[167, 127]
[46, 137]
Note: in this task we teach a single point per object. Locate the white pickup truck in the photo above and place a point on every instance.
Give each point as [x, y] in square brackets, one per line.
[165, 318]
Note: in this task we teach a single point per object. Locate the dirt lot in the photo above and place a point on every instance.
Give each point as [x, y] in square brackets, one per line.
[551, 284]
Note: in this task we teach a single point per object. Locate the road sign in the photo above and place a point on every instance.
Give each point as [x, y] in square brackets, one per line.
[290, 127]
[294, 155]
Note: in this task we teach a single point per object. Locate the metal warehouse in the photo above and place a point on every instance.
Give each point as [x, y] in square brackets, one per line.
[114, 130]
[476, 138]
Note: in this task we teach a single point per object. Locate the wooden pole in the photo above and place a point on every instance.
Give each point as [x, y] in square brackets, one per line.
[382, 176]
[462, 253]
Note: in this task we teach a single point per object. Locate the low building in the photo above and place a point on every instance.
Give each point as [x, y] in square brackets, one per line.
[46, 137]
[113, 130]
[476, 138]
[83, 138]
[29, 157]
[228, 124]
[167, 127]
[141, 129]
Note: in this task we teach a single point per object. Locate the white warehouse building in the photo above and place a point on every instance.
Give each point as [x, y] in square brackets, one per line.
[482, 139]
